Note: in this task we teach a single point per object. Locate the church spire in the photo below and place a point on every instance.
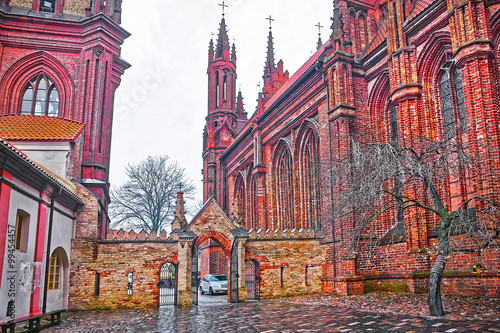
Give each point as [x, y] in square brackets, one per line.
[233, 54]
[211, 50]
[274, 77]
[269, 68]
[222, 42]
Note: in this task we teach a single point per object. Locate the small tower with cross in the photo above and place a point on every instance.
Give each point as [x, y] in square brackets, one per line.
[320, 43]
[274, 77]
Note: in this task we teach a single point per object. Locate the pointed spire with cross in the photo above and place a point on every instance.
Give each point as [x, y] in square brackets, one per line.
[320, 42]
[224, 6]
[271, 20]
[319, 28]
[269, 67]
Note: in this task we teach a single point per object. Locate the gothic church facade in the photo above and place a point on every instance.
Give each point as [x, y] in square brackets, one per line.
[395, 68]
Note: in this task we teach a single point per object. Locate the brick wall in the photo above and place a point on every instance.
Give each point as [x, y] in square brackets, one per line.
[283, 265]
[76, 7]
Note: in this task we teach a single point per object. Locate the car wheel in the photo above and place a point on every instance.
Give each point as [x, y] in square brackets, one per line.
[211, 292]
[202, 292]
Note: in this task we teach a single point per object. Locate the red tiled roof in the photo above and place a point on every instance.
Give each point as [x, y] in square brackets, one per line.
[36, 128]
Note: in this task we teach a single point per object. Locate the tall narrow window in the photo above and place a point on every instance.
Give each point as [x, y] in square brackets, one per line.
[306, 273]
[311, 186]
[282, 276]
[54, 271]
[447, 105]
[452, 107]
[217, 92]
[393, 115]
[255, 203]
[240, 194]
[224, 89]
[459, 94]
[19, 232]
[130, 283]
[284, 189]
[40, 97]
[97, 284]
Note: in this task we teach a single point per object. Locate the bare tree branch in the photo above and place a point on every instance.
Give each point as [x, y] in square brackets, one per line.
[147, 200]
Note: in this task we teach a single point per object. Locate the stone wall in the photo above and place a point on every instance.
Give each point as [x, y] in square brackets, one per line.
[284, 263]
[116, 259]
[107, 263]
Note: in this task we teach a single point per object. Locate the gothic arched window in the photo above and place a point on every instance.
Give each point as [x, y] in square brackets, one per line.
[284, 189]
[311, 186]
[452, 102]
[393, 116]
[240, 194]
[254, 220]
[40, 97]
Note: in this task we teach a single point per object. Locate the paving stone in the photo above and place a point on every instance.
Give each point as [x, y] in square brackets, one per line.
[257, 317]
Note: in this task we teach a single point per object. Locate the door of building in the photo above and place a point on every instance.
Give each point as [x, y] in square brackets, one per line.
[167, 284]
[252, 279]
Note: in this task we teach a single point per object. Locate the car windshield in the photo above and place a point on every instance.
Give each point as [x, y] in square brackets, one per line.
[218, 278]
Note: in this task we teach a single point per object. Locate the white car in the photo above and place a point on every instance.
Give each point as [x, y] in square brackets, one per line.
[213, 283]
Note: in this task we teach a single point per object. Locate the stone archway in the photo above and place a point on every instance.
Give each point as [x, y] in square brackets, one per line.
[210, 223]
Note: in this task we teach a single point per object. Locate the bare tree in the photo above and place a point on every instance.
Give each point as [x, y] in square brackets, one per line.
[374, 179]
[147, 200]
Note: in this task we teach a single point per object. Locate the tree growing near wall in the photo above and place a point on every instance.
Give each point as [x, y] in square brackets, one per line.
[376, 178]
[147, 199]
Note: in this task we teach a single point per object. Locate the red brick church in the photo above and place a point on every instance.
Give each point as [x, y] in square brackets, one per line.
[403, 69]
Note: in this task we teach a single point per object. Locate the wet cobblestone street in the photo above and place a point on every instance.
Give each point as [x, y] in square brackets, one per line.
[262, 316]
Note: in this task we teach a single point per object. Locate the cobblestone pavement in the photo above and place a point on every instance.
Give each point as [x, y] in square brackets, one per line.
[457, 307]
[264, 317]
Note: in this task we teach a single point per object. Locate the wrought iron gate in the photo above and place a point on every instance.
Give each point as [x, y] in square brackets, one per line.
[252, 279]
[233, 273]
[168, 284]
[194, 272]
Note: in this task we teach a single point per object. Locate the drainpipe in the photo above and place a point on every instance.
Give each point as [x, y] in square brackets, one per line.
[47, 255]
[331, 184]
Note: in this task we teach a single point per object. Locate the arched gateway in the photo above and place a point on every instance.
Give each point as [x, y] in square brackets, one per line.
[211, 223]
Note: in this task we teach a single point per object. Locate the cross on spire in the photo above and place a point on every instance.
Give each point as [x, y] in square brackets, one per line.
[224, 6]
[271, 20]
[319, 28]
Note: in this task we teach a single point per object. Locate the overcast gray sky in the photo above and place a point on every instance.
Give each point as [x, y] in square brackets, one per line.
[161, 105]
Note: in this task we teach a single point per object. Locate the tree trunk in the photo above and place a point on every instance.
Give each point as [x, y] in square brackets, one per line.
[435, 305]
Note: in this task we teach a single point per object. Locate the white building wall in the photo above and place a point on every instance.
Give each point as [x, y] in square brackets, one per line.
[17, 283]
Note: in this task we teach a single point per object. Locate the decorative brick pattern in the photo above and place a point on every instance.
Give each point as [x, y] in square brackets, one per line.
[76, 7]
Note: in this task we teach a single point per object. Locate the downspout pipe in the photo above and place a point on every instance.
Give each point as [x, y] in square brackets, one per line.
[48, 250]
